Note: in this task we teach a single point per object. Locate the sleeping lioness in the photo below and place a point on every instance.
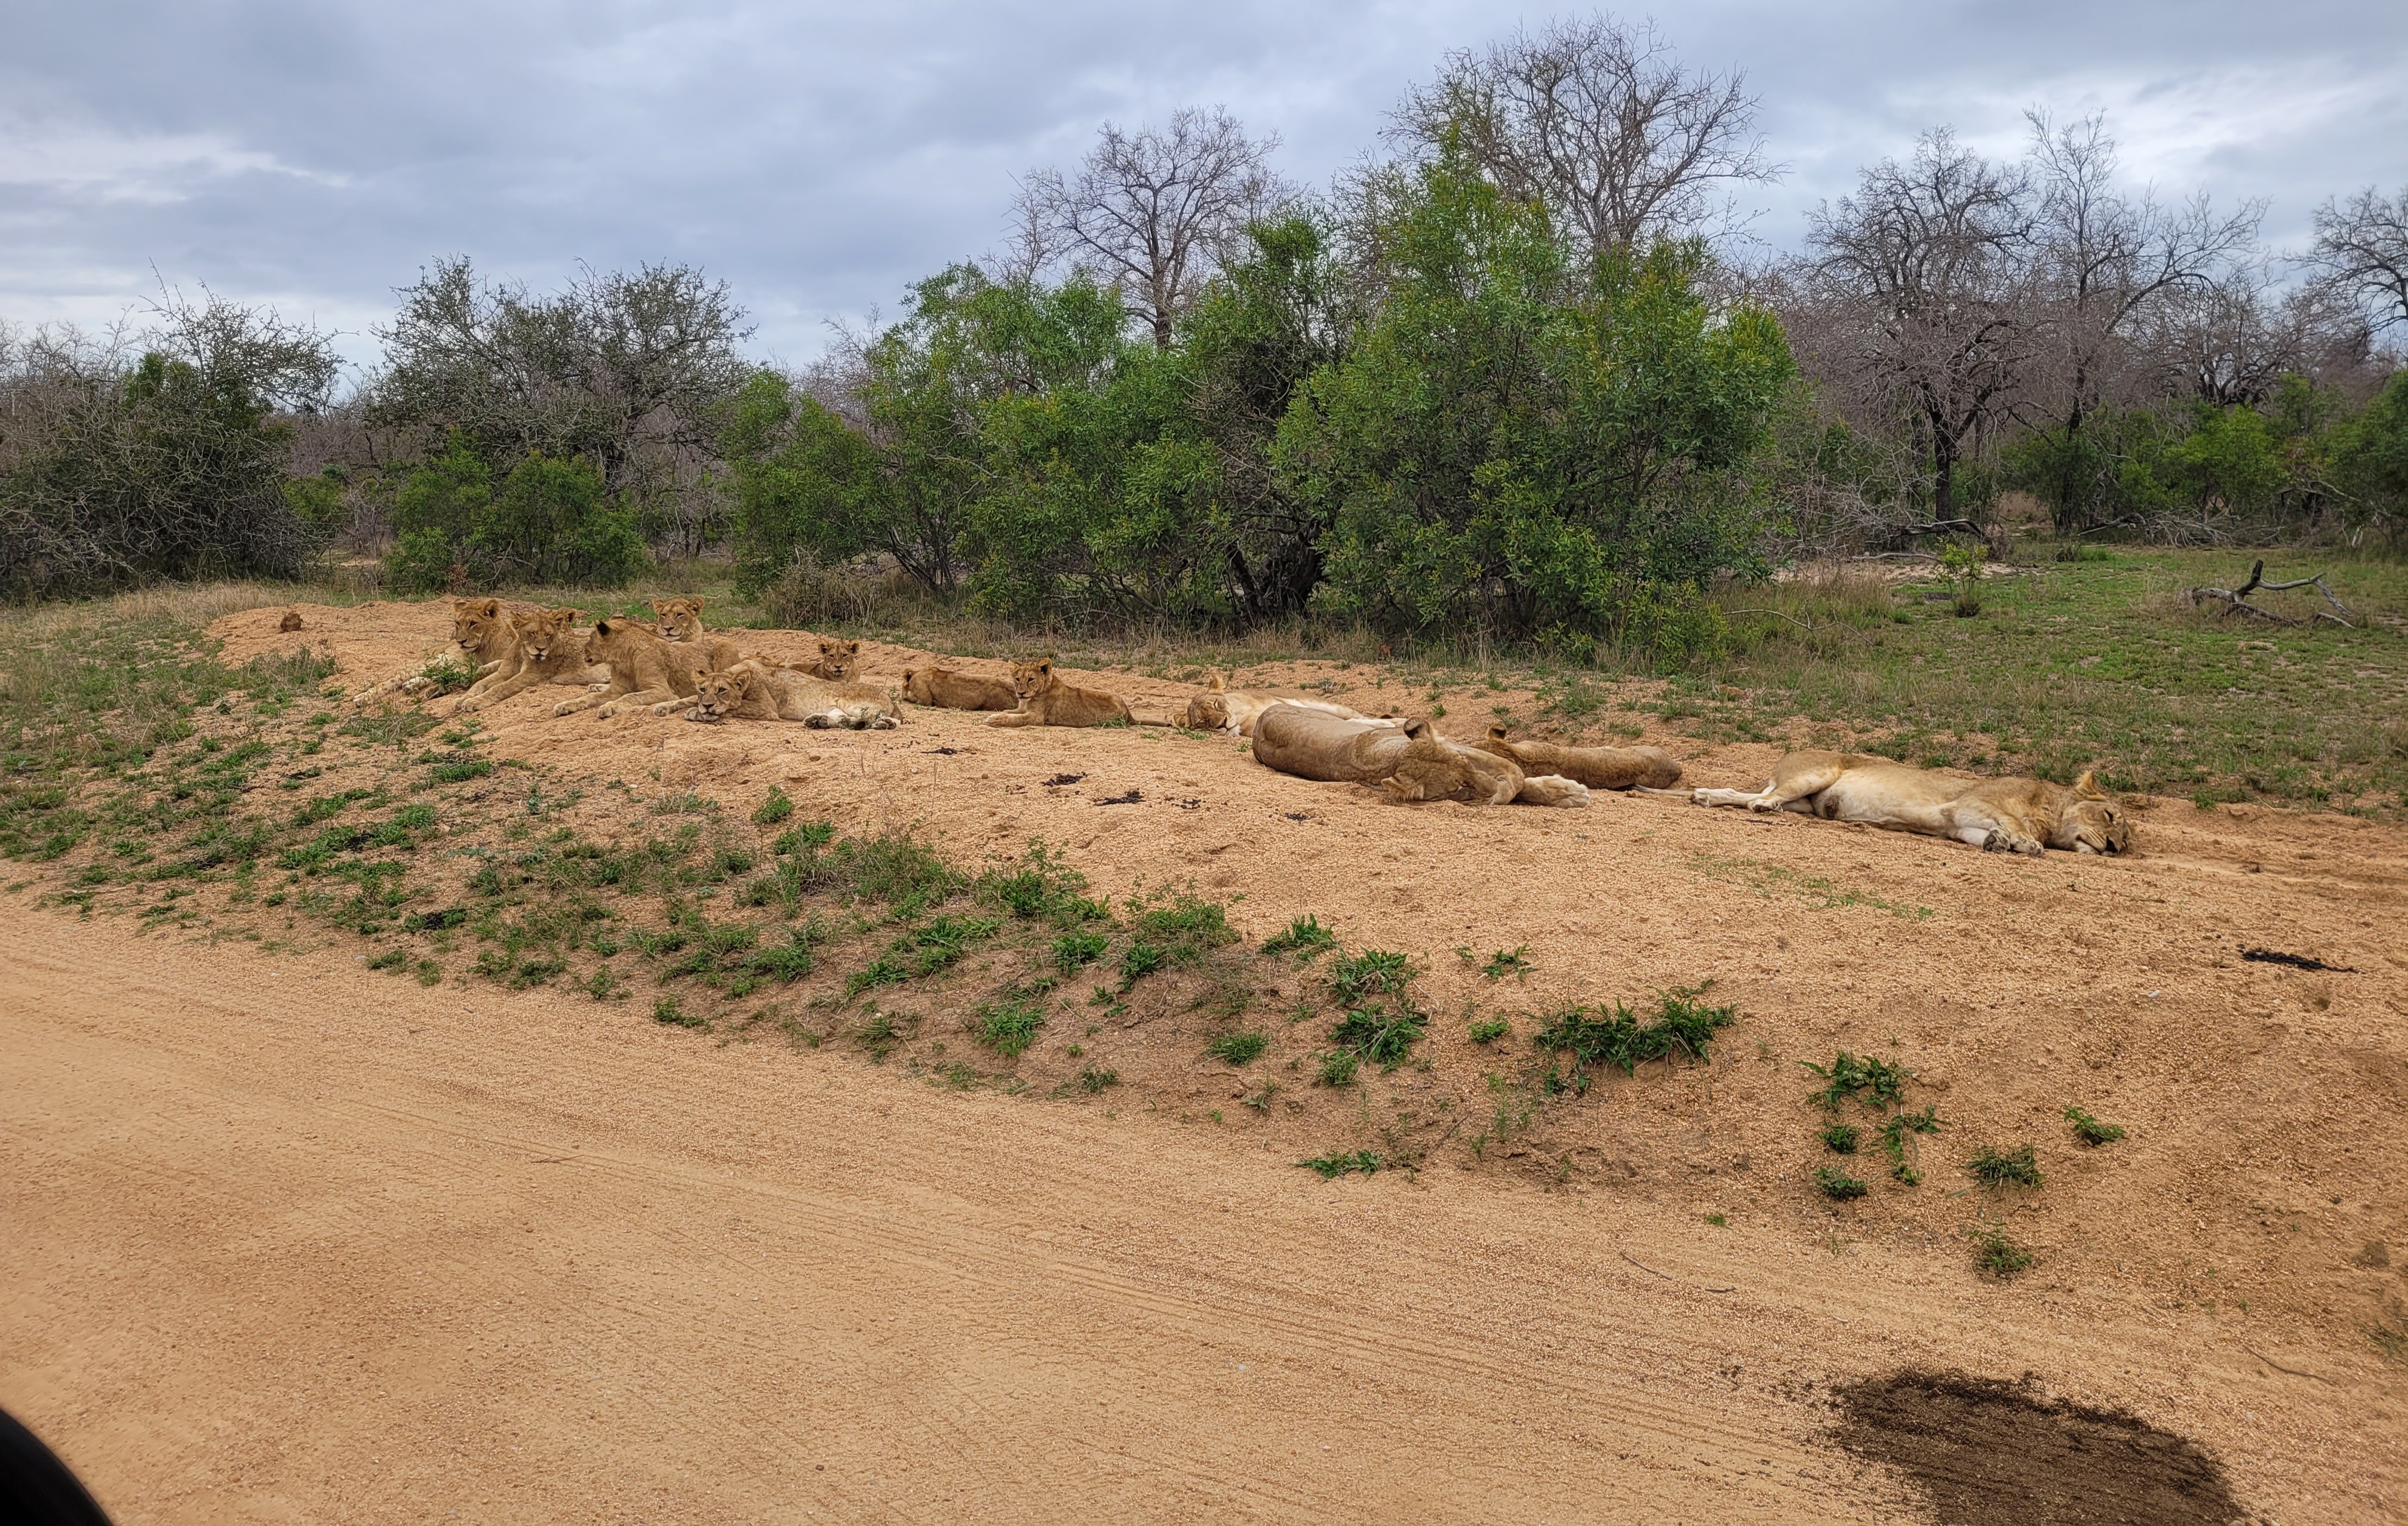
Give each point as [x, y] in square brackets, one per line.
[1599, 768]
[944, 689]
[1407, 759]
[1234, 711]
[1999, 816]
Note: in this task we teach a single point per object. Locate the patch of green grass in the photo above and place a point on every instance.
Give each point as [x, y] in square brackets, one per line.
[1503, 962]
[1332, 1166]
[2090, 1131]
[2016, 1167]
[1682, 1025]
[774, 809]
[1873, 1081]
[1718, 1220]
[1894, 1133]
[1371, 972]
[1238, 1049]
[1008, 1027]
[459, 770]
[1838, 1185]
[667, 1010]
[1995, 1253]
[1168, 936]
[1337, 1069]
[1383, 1034]
[1840, 1137]
[1304, 937]
[1092, 1080]
[1489, 1030]
[2391, 1339]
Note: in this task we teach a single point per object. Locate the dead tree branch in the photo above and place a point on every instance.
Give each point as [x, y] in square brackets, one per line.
[2236, 600]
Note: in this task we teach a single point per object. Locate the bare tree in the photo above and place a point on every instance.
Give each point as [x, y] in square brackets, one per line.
[1154, 211]
[2105, 259]
[1922, 282]
[2363, 247]
[1600, 124]
[2232, 341]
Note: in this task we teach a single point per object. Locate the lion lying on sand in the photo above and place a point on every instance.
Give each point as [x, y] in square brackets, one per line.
[1599, 768]
[1999, 816]
[756, 689]
[945, 689]
[1045, 700]
[1234, 711]
[1407, 759]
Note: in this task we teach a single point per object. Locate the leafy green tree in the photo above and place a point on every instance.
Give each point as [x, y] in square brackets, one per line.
[549, 520]
[1519, 446]
[2370, 456]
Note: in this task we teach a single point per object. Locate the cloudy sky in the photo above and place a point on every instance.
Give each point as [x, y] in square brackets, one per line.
[315, 153]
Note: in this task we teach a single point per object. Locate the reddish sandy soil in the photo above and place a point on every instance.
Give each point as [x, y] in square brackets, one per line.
[288, 1240]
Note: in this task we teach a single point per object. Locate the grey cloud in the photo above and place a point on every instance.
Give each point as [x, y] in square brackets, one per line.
[822, 157]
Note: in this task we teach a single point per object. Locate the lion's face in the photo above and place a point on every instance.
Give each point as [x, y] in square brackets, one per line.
[473, 620]
[542, 632]
[718, 696]
[2096, 827]
[680, 619]
[1030, 680]
[838, 659]
[1207, 712]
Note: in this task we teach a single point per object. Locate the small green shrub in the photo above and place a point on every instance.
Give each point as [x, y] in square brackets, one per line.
[1838, 1185]
[1008, 1027]
[2090, 1131]
[1305, 937]
[1874, 1083]
[1598, 1035]
[1383, 1034]
[1489, 1030]
[1840, 1137]
[1370, 972]
[1239, 1049]
[1503, 964]
[1337, 1069]
[2016, 1167]
[1997, 1254]
[1092, 1080]
[667, 1010]
[774, 809]
[1333, 1166]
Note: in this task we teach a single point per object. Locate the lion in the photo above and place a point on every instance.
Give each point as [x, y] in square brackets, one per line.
[481, 630]
[1407, 759]
[644, 669]
[1045, 700]
[543, 652]
[1599, 768]
[836, 662]
[758, 690]
[1234, 711]
[944, 688]
[681, 621]
[1998, 816]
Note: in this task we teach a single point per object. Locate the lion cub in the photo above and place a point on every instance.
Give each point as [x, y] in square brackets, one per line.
[944, 688]
[758, 690]
[644, 669]
[681, 623]
[1045, 700]
[544, 651]
[836, 662]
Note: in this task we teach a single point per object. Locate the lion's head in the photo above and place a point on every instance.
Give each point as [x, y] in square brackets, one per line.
[1030, 680]
[838, 659]
[2091, 823]
[680, 619]
[542, 632]
[473, 620]
[1207, 712]
[719, 695]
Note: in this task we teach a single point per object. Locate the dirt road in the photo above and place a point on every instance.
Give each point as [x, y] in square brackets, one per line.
[288, 1242]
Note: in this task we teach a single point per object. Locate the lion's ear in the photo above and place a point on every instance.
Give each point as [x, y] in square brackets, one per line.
[492, 606]
[601, 627]
[1218, 686]
[2088, 785]
[1417, 728]
[660, 606]
[1497, 734]
[1045, 665]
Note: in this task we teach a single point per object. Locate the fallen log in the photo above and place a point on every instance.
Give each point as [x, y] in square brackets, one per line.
[2236, 600]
